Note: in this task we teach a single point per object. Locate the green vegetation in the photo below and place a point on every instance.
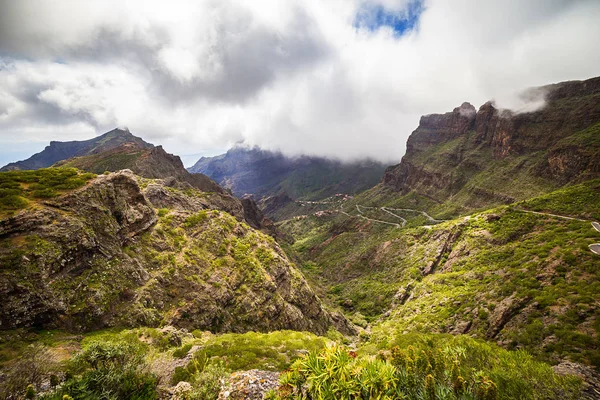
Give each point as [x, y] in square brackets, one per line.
[273, 351]
[114, 160]
[20, 188]
[454, 276]
[578, 201]
[425, 367]
[108, 370]
[136, 363]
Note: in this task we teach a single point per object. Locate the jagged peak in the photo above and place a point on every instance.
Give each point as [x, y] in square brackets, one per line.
[466, 109]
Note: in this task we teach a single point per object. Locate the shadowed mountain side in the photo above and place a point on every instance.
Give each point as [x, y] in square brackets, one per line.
[264, 173]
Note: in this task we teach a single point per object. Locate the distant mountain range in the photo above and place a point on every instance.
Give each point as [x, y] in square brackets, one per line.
[265, 173]
[58, 151]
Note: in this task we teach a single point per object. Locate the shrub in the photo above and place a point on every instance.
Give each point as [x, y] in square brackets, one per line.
[207, 383]
[423, 373]
[29, 370]
[108, 370]
[182, 351]
[17, 187]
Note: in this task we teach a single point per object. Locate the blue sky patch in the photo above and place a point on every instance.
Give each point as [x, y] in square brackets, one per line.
[373, 17]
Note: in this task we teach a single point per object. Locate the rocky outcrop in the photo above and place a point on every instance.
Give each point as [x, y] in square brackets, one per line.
[114, 254]
[590, 377]
[437, 128]
[458, 154]
[249, 385]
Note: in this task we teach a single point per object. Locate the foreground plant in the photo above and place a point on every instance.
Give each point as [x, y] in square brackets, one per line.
[418, 373]
[108, 370]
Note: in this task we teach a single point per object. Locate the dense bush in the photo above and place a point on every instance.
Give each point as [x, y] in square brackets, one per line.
[423, 372]
[108, 370]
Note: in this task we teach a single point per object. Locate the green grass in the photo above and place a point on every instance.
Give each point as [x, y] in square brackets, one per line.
[579, 201]
[273, 351]
[20, 188]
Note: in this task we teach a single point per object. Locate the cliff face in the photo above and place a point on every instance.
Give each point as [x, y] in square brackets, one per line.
[115, 253]
[493, 156]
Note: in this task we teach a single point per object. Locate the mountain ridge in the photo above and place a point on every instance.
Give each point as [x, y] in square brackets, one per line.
[471, 159]
[57, 151]
[264, 173]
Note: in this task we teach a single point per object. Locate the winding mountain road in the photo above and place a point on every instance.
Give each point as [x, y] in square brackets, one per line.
[552, 215]
[358, 208]
[388, 210]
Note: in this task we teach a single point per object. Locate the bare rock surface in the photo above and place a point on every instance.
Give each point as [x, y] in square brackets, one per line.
[250, 385]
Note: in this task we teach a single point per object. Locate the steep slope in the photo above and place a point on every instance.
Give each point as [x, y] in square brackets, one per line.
[119, 149]
[128, 251]
[264, 173]
[468, 159]
[153, 162]
[58, 151]
[521, 275]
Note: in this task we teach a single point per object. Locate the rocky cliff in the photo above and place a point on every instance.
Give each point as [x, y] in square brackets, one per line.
[129, 251]
[476, 158]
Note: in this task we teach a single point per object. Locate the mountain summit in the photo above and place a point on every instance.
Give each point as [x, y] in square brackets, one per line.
[58, 151]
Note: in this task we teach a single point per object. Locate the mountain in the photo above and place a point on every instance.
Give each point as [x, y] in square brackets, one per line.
[471, 159]
[119, 149]
[474, 246]
[58, 151]
[265, 173]
[121, 250]
[482, 229]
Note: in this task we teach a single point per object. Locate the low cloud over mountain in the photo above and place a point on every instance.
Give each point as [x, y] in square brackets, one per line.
[345, 79]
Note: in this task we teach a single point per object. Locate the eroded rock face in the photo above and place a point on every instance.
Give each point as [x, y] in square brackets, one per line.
[112, 254]
[590, 377]
[447, 150]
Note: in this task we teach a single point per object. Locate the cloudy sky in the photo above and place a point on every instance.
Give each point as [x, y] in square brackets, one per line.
[340, 78]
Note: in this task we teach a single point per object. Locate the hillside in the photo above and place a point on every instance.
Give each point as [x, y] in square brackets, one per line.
[514, 274]
[265, 174]
[127, 251]
[119, 149]
[58, 151]
[472, 159]
[465, 273]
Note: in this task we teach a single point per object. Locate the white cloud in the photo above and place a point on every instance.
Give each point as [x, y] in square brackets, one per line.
[298, 76]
